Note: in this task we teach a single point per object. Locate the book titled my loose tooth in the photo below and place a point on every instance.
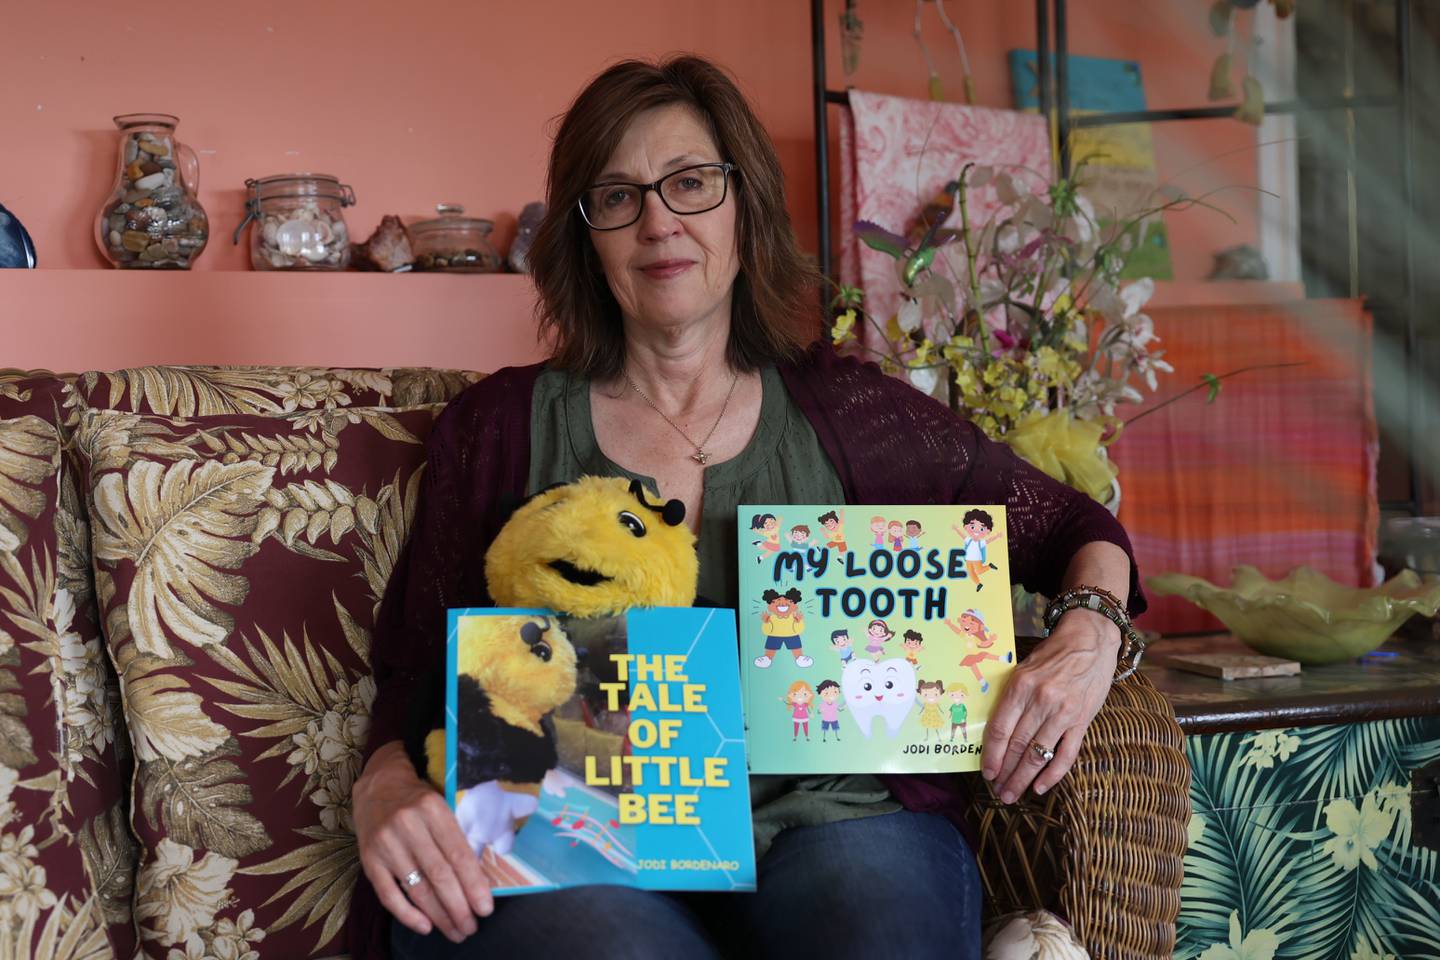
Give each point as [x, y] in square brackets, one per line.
[873, 639]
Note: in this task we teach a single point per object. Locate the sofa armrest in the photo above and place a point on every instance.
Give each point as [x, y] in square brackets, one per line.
[1105, 848]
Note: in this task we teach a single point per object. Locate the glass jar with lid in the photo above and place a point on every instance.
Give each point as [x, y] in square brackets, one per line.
[299, 223]
[453, 242]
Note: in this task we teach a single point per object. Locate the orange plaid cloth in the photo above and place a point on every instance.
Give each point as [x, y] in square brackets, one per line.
[1279, 471]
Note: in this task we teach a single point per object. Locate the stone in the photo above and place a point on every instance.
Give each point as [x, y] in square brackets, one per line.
[135, 241]
[133, 172]
[155, 149]
[388, 248]
[530, 218]
[115, 240]
[150, 182]
[132, 150]
[150, 166]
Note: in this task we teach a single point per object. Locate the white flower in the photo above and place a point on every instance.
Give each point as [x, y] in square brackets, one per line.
[307, 748]
[333, 799]
[925, 379]
[1256, 945]
[1357, 832]
[1394, 799]
[233, 938]
[909, 316]
[23, 893]
[181, 893]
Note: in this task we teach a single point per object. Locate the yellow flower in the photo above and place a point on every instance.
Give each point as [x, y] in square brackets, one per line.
[1357, 832]
[922, 352]
[844, 327]
[1255, 945]
[1268, 747]
[1047, 361]
[996, 373]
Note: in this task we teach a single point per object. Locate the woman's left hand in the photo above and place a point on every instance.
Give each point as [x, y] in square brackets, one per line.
[1050, 700]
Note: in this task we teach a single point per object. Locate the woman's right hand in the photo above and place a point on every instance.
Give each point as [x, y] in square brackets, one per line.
[402, 824]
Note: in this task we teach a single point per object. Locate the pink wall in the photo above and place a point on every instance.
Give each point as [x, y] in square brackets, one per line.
[446, 100]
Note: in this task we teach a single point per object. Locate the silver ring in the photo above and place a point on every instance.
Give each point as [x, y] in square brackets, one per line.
[414, 878]
[1043, 752]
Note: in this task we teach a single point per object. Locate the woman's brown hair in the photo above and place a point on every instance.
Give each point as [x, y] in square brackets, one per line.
[773, 310]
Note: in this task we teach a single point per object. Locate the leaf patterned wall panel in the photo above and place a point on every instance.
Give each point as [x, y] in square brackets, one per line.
[239, 561]
[1301, 845]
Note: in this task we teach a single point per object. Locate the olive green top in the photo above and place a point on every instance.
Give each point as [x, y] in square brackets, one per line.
[782, 463]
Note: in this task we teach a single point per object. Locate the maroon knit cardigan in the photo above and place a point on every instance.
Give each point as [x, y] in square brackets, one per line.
[889, 444]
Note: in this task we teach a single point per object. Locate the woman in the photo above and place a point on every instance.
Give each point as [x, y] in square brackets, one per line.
[677, 302]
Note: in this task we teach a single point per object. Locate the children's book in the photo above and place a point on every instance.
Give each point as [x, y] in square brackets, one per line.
[599, 751]
[873, 639]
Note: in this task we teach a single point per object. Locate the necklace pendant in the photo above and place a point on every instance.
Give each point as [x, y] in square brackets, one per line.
[700, 456]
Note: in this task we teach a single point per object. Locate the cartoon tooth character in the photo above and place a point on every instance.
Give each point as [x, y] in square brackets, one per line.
[884, 689]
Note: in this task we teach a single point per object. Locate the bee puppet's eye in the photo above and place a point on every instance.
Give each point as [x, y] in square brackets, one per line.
[541, 650]
[632, 523]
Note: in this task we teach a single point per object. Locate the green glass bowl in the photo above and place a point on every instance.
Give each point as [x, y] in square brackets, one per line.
[1306, 616]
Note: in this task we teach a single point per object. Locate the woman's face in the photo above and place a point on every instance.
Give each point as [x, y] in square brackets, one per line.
[668, 271]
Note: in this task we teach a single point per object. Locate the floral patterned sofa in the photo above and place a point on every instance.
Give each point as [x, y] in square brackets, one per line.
[191, 559]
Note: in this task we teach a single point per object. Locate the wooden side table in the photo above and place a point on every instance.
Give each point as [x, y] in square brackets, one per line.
[1316, 807]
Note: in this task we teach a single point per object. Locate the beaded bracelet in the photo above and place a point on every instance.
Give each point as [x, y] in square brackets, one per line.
[1105, 603]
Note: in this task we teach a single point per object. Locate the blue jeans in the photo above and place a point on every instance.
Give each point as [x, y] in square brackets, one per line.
[899, 885]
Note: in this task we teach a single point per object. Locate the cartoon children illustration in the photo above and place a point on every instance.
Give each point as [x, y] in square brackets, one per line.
[834, 526]
[830, 706]
[840, 640]
[878, 632]
[931, 718]
[912, 534]
[768, 526]
[913, 644]
[981, 638]
[877, 529]
[782, 623]
[798, 698]
[799, 537]
[978, 537]
[896, 532]
[958, 713]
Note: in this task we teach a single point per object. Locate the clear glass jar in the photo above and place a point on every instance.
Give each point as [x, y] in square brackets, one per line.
[153, 220]
[299, 223]
[454, 243]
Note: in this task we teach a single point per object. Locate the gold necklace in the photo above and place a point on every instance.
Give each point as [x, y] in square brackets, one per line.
[700, 455]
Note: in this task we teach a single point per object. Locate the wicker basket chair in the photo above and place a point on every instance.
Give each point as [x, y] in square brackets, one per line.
[1105, 847]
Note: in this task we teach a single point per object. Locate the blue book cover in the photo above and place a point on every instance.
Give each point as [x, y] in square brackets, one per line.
[620, 745]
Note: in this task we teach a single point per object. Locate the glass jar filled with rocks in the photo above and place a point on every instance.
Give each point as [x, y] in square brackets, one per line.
[152, 219]
[299, 222]
[453, 242]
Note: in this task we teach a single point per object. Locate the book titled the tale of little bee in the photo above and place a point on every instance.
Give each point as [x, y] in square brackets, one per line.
[873, 639]
[607, 750]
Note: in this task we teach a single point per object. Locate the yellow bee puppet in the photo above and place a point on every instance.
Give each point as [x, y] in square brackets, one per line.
[592, 548]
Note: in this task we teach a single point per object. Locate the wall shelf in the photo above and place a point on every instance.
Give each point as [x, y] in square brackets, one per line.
[104, 319]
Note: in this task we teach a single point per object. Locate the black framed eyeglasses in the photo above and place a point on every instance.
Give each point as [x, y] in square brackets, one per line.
[695, 189]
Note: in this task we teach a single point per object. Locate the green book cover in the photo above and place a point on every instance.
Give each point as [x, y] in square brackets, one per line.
[873, 639]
